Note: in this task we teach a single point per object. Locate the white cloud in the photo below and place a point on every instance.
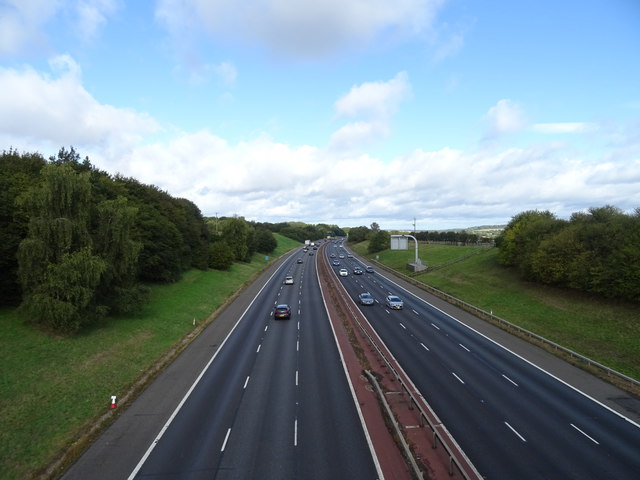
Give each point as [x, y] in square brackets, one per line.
[504, 117]
[376, 103]
[21, 22]
[57, 109]
[92, 14]
[299, 28]
[263, 179]
[374, 99]
[266, 180]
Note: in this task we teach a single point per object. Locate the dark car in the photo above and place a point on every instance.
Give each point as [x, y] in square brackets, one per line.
[336, 263]
[357, 271]
[282, 311]
[299, 260]
[369, 269]
[366, 299]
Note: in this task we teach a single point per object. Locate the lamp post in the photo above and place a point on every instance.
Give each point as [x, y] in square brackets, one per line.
[417, 266]
[415, 240]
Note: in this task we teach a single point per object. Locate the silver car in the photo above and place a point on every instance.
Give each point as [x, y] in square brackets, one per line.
[394, 302]
[366, 299]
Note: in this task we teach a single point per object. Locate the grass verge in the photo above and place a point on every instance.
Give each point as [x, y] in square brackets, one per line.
[606, 331]
[52, 389]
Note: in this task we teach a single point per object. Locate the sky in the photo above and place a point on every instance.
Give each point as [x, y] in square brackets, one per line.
[446, 113]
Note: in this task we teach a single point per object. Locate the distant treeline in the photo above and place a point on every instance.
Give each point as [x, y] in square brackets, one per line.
[303, 231]
[77, 244]
[597, 251]
[453, 237]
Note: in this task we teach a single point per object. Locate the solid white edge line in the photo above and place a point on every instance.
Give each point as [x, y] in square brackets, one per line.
[372, 450]
[513, 353]
[197, 380]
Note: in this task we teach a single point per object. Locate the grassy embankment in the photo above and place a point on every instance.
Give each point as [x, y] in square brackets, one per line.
[603, 330]
[53, 388]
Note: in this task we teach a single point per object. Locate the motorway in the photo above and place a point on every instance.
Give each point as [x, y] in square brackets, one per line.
[272, 402]
[512, 418]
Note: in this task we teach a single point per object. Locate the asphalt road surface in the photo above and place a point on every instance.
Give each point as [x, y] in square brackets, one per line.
[271, 402]
[512, 418]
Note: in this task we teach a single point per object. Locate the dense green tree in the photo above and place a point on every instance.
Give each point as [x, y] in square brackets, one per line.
[523, 235]
[58, 269]
[119, 289]
[359, 234]
[238, 234]
[18, 173]
[221, 255]
[381, 240]
[265, 242]
[161, 256]
[595, 251]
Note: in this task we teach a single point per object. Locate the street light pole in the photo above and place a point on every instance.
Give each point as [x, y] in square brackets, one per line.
[415, 240]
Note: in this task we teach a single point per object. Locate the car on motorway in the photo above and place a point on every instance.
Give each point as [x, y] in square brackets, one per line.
[282, 311]
[343, 272]
[366, 299]
[341, 255]
[288, 280]
[357, 271]
[369, 269]
[349, 255]
[310, 253]
[299, 260]
[333, 255]
[336, 263]
[394, 302]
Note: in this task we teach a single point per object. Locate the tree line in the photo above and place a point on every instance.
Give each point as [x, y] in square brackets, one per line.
[78, 244]
[597, 251]
[380, 240]
[302, 231]
[453, 237]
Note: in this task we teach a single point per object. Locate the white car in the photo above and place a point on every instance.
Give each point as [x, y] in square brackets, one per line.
[343, 272]
[288, 280]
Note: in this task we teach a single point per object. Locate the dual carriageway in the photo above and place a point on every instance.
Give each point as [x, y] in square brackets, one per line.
[272, 400]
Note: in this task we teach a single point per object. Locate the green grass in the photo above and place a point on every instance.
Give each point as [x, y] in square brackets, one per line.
[603, 330]
[53, 388]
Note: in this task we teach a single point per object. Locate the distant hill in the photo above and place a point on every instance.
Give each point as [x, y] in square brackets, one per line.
[490, 231]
